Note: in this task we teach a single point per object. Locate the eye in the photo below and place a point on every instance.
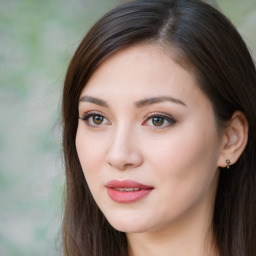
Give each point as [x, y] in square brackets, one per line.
[94, 119]
[159, 120]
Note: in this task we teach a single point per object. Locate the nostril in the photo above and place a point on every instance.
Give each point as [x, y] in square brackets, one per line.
[123, 153]
[123, 160]
[121, 166]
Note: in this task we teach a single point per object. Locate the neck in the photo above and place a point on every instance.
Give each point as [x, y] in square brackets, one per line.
[182, 244]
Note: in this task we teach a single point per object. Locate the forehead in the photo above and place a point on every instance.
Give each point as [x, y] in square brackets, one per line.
[141, 71]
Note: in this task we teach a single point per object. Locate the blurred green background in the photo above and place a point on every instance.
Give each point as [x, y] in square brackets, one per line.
[37, 40]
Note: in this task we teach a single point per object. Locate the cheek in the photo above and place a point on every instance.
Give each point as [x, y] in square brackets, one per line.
[186, 163]
[90, 151]
[180, 151]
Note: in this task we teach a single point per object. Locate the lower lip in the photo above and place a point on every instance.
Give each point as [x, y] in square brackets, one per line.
[127, 197]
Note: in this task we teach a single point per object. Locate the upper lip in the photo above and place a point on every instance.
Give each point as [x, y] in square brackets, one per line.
[127, 184]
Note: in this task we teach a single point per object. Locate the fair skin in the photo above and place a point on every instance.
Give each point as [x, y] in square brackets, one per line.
[143, 118]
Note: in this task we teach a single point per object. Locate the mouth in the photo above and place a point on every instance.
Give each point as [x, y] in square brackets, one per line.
[127, 191]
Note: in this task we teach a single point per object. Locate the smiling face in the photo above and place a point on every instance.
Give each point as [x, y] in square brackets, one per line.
[147, 141]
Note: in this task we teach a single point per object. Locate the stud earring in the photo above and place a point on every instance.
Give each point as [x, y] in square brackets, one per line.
[228, 163]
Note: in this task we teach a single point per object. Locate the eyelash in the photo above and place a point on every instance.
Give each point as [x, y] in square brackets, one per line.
[165, 118]
[86, 117]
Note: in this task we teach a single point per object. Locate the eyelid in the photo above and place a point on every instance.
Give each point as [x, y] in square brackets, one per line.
[170, 119]
[85, 117]
[166, 117]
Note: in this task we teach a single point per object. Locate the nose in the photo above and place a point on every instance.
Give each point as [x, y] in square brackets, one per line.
[124, 151]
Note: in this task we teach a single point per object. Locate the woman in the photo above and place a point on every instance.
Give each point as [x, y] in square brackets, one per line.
[158, 135]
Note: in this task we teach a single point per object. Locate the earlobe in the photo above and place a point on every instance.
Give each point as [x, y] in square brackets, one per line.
[234, 139]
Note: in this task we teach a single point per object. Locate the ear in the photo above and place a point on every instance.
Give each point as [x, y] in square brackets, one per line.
[234, 139]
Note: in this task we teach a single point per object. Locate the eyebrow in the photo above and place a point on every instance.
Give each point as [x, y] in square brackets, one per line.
[94, 100]
[138, 104]
[154, 100]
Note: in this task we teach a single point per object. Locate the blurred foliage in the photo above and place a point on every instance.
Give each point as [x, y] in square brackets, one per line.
[37, 40]
[243, 15]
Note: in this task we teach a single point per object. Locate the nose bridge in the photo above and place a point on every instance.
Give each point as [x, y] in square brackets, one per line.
[122, 135]
[123, 151]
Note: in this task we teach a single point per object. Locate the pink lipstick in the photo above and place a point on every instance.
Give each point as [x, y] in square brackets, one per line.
[127, 191]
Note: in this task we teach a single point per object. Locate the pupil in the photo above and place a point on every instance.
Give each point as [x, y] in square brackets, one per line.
[97, 119]
[158, 121]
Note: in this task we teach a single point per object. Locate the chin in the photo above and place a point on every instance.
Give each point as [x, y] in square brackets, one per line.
[128, 229]
[128, 226]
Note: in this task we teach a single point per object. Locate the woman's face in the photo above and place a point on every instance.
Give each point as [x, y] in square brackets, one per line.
[147, 141]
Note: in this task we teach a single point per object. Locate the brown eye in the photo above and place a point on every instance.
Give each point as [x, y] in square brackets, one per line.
[97, 119]
[158, 121]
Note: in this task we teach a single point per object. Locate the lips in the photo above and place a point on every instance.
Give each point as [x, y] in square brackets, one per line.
[127, 191]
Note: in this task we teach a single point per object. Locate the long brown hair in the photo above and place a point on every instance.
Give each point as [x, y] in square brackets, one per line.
[202, 40]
